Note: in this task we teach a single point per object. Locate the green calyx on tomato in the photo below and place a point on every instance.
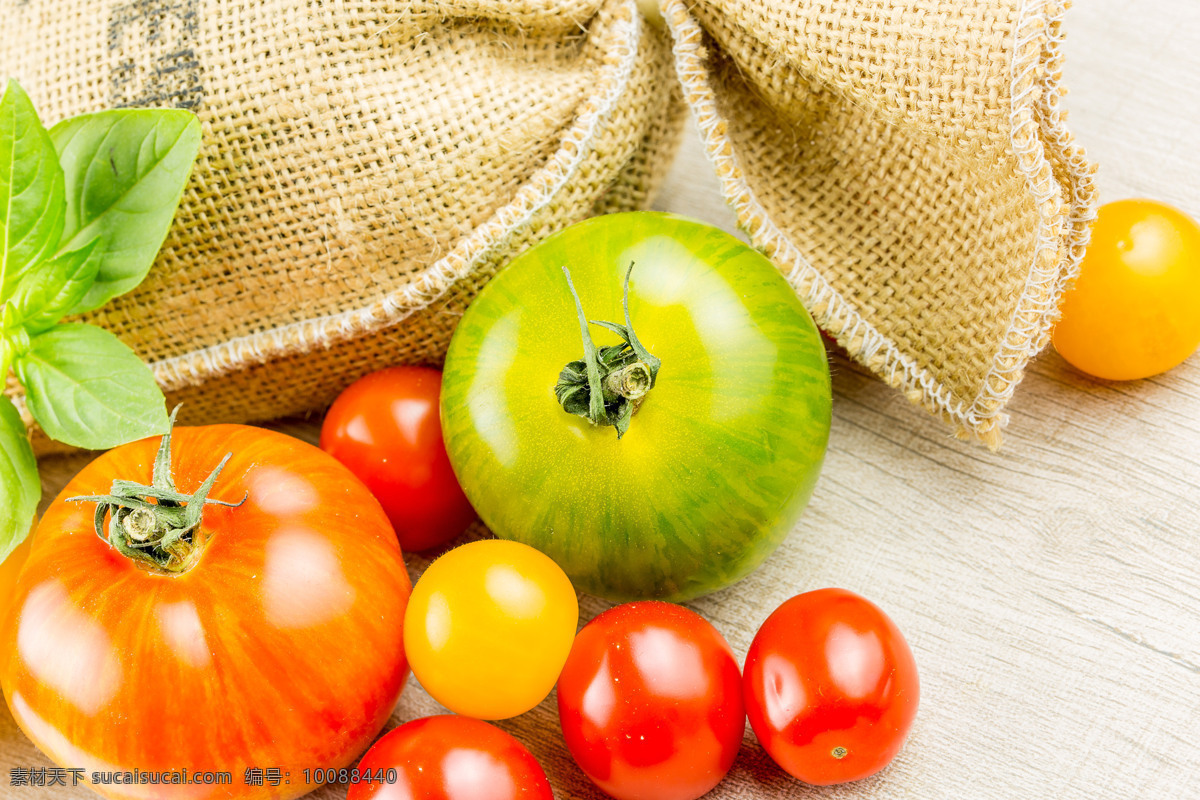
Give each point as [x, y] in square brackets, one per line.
[609, 384]
[725, 450]
[165, 533]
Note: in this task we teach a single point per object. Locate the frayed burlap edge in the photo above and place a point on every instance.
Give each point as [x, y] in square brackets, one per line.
[1039, 133]
[434, 281]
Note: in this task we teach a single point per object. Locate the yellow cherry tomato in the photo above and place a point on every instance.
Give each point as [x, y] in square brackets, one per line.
[1135, 311]
[488, 628]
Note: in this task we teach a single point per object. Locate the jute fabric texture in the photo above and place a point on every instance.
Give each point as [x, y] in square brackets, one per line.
[366, 166]
[906, 164]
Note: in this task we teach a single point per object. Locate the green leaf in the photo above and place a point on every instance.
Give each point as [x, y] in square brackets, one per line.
[47, 294]
[88, 389]
[20, 488]
[125, 173]
[31, 189]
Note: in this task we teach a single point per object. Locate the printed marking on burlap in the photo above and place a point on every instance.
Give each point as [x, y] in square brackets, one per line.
[152, 45]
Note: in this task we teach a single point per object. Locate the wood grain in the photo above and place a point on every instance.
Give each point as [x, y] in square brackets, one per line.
[1051, 592]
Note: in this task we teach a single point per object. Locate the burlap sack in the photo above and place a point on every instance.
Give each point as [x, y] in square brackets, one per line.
[366, 166]
[906, 164]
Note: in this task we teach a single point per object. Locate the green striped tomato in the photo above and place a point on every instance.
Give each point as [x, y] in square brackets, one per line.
[720, 456]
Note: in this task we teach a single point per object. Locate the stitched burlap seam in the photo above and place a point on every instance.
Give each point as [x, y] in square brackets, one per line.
[1037, 123]
[432, 282]
[1063, 233]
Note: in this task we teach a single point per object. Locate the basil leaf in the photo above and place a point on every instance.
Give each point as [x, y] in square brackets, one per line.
[86, 388]
[125, 173]
[46, 294]
[31, 189]
[20, 488]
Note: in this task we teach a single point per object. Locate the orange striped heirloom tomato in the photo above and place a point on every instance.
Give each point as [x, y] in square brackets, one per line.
[243, 613]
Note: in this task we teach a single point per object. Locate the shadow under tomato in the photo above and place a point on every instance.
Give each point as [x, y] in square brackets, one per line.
[754, 774]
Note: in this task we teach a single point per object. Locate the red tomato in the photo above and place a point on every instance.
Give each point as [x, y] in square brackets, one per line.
[831, 687]
[278, 645]
[386, 428]
[650, 703]
[449, 758]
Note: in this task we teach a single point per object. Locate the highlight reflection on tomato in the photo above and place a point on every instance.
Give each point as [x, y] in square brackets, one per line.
[831, 687]
[279, 644]
[650, 703]
[450, 758]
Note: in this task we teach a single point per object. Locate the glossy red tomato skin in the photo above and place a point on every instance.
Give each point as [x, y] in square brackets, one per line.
[451, 758]
[282, 647]
[650, 703]
[386, 428]
[829, 670]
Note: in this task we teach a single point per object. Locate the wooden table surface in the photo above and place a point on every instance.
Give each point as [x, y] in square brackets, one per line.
[1050, 592]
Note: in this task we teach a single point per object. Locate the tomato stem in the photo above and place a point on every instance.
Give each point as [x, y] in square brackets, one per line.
[608, 386]
[156, 525]
[631, 382]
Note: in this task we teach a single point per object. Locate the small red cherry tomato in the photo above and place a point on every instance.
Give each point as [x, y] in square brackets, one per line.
[386, 428]
[448, 758]
[831, 687]
[650, 703]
